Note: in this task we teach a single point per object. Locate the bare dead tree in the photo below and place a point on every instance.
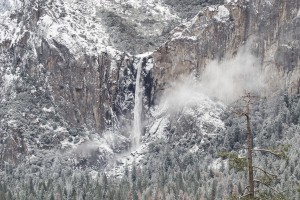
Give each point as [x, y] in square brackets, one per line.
[248, 99]
[242, 163]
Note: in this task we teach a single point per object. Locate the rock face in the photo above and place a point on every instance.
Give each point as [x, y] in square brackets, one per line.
[61, 79]
[269, 29]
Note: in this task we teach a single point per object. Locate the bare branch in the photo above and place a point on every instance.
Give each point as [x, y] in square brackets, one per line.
[266, 172]
[240, 114]
[246, 188]
[244, 196]
[268, 186]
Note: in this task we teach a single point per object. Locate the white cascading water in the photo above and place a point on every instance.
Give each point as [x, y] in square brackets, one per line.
[137, 129]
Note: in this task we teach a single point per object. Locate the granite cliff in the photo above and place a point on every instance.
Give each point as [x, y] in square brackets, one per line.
[68, 69]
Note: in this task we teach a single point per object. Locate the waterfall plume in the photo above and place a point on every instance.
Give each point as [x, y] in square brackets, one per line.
[137, 129]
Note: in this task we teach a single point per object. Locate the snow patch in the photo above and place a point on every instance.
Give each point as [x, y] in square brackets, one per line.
[8, 80]
[179, 35]
[217, 164]
[149, 65]
[211, 8]
[66, 144]
[127, 159]
[51, 109]
[158, 129]
[144, 55]
[223, 14]
[186, 100]
[7, 85]
[78, 30]
[12, 123]
[150, 7]
[194, 149]
[61, 129]
[86, 148]
[9, 5]
[231, 1]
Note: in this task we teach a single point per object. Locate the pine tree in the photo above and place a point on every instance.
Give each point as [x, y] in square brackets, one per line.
[240, 163]
[52, 196]
[104, 185]
[213, 192]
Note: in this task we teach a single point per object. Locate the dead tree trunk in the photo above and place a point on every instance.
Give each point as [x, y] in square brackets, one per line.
[249, 143]
[248, 100]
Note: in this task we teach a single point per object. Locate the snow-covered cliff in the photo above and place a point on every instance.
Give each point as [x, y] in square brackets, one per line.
[69, 69]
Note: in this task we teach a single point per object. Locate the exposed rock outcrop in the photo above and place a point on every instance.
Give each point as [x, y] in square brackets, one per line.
[270, 29]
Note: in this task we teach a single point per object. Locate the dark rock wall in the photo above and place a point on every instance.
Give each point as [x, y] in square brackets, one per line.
[271, 30]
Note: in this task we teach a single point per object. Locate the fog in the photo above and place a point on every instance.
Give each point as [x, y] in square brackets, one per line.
[224, 81]
[229, 80]
[185, 92]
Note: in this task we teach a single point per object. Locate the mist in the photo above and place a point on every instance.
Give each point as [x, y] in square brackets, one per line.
[224, 81]
[227, 81]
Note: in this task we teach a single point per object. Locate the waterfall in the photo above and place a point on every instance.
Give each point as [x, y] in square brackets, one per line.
[137, 121]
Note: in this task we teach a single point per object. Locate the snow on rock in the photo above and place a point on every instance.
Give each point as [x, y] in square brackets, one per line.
[70, 23]
[144, 55]
[126, 21]
[74, 26]
[79, 26]
[8, 78]
[223, 14]
[8, 5]
[149, 65]
[120, 161]
[8, 27]
[51, 109]
[231, 1]
[158, 129]
[183, 33]
[149, 7]
[186, 102]
[115, 141]
[194, 149]
[93, 147]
